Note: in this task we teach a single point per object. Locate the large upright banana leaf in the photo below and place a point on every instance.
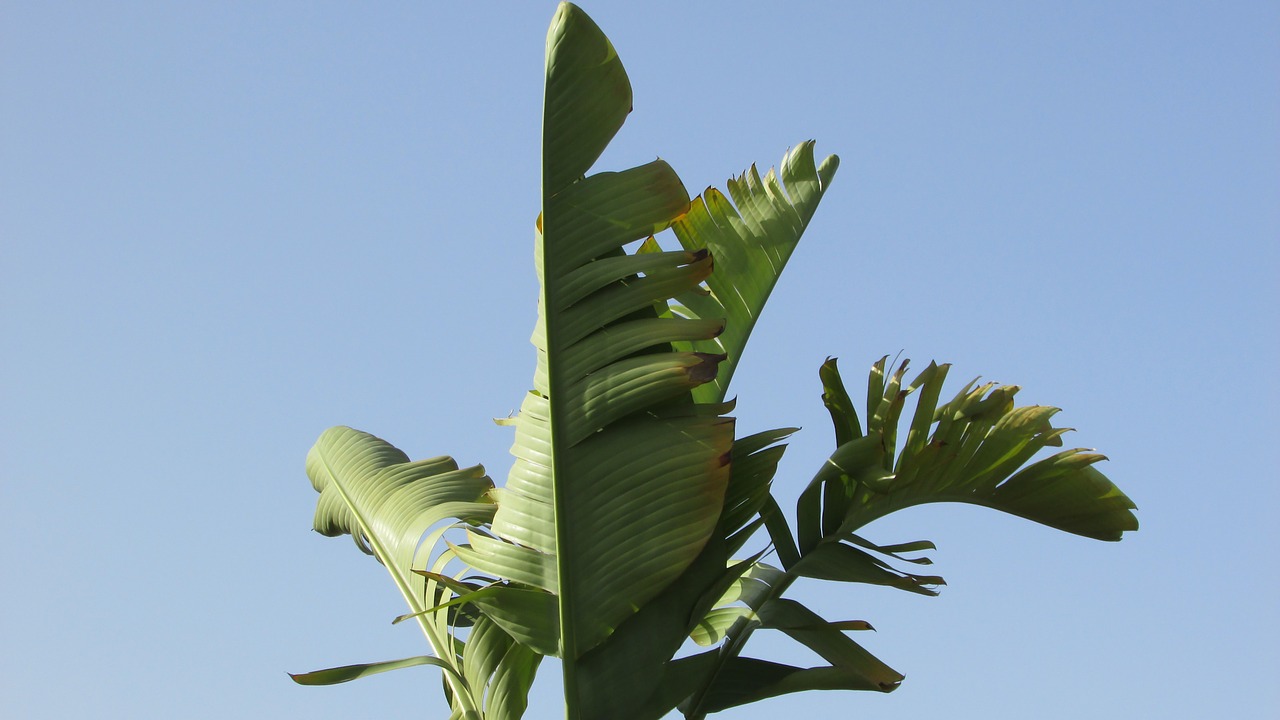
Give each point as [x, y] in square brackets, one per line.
[616, 524]
[619, 477]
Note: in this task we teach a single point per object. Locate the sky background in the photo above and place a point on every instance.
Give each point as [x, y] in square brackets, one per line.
[227, 226]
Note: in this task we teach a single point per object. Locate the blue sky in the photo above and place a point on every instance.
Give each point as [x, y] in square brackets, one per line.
[225, 227]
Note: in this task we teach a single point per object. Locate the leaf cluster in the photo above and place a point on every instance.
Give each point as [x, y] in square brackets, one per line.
[623, 528]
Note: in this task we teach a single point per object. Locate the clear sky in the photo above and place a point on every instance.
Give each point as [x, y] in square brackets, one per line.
[227, 226]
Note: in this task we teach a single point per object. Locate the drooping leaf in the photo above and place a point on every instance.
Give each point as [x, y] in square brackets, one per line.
[828, 641]
[398, 510]
[347, 673]
[735, 680]
[747, 680]
[979, 448]
[896, 549]
[844, 563]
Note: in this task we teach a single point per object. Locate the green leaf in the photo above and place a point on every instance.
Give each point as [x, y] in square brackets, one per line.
[508, 695]
[515, 563]
[738, 680]
[751, 240]
[895, 550]
[347, 673]
[747, 680]
[494, 659]
[829, 641]
[844, 416]
[529, 616]
[780, 533]
[753, 462]
[622, 484]
[630, 676]
[397, 510]
[680, 679]
[979, 448]
[619, 479]
[586, 97]
[715, 624]
[373, 492]
[829, 496]
[749, 592]
[843, 563]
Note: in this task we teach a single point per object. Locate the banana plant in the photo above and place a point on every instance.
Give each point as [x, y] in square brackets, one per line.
[621, 537]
